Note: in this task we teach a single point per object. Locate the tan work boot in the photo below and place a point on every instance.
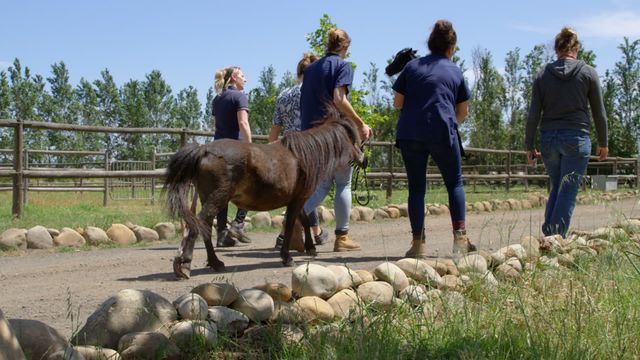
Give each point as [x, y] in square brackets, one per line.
[344, 243]
[418, 250]
[461, 243]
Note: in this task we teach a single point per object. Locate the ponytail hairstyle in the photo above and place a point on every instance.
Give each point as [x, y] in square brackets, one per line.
[223, 77]
[337, 40]
[307, 59]
[442, 37]
[567, 41]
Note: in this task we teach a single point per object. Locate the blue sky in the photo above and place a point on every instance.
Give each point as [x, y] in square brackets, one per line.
[188, 40]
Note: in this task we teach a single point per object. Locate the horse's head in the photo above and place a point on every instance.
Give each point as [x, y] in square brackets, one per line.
[401, 59]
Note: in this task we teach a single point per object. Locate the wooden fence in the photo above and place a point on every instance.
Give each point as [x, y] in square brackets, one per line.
[386, 166]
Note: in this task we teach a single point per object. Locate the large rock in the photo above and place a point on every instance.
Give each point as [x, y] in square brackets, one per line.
[13, 239]
[346, 277]
[366, 214]
[96, 236]
[217, 293]
[39, 238]
[278, 291]
[472, 263]
[314, 308]
[97, 353]
[394, 212]
[165, 230]
[313, 280]
[227, 320]
[443, 266]
[37, 339]
[147, 345]
[121, 234]
[191, 307]
[392, 274]
[69, 237]
[380, 214]
[261, 220]
[420, 271]
[377, 292]
[325, 215]
[256, 304]
[414, 294]
[531, 246]
[144, 234]
[193, 333]
[69, 353]
[343, 303]
[128, 311]
[10, 348]
[365, 275]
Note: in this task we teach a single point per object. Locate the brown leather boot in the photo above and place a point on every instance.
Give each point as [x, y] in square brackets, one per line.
[461, 243]
[344, 243]
[418, 250]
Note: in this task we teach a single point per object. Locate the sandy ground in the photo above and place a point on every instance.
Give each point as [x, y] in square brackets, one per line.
[46, 286]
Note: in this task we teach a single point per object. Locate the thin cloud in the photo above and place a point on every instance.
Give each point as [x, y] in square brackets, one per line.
[4, 65]
[532, 29]
[610, 25]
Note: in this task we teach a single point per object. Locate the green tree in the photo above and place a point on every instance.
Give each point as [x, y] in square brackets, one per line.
[61, 107]
[485, 115]
[134, 114]
[620, 141]
[6, 142]
[513, 100]
[317, 39]
[262, 101]
[109, 106]
[207, 116]
[186, 113]
[158, 99]
[626, 75]
[88, 114]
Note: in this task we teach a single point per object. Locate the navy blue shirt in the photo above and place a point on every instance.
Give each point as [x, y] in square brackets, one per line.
[225, 107]
[320, 79]
[432, 86]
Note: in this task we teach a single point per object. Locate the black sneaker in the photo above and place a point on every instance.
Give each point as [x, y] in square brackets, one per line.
[279, 242]
[236, 230]
[321, 238]
[225, 240]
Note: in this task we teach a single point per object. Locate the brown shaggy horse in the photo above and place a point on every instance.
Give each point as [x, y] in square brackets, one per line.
[256, 177]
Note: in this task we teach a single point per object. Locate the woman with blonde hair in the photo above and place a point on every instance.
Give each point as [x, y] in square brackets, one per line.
[561, 97]
[327, 81]
[231, 113]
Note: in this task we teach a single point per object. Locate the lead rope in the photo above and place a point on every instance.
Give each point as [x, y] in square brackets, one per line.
[362, 167]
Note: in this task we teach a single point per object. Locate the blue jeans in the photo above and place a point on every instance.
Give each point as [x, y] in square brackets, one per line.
[565, 154]
[342, 201]
[416, 155]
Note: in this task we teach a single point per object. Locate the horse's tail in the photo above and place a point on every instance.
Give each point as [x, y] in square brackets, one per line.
[182, 169]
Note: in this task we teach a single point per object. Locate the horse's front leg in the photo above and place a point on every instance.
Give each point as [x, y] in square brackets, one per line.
[182, 260]
[293, 209]
[309, 245]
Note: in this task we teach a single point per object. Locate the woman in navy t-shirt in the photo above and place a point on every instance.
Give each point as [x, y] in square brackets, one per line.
[433, 96]
[231, 112]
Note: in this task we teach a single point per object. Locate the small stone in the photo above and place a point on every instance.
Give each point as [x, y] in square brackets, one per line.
[313, 280]
[191, 307]
[414, 294]
[190, 333]
[121, 234]
[377, 292]
[451, 282]
[380, 214]
[96, 236]
[69, 237]
[278, 291]
[365, 275]
[217, 293]
[343, 302]
[392, 274]
[256, 304]
[165, 230]
[142, 345]
[13, 239]
[39, 238]
[472, 263]
[261, 220]
[144, 234]
[315, 308]
[227, 320]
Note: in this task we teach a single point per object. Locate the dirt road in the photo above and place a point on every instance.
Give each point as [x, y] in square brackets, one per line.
[45, 286]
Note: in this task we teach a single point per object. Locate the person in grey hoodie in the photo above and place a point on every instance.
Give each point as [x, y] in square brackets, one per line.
[561, 97]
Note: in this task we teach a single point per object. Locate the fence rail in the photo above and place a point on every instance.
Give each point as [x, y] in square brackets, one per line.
[20, 171]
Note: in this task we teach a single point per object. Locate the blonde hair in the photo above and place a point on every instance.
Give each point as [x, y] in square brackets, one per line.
[223, 77]
[307, 59]
[567, 40]
[337, 40]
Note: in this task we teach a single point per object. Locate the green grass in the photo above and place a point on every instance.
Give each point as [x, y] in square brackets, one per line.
[591, 311]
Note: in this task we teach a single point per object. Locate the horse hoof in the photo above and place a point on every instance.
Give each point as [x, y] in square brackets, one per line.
[218, 266]
[289, 262]
[181, 270]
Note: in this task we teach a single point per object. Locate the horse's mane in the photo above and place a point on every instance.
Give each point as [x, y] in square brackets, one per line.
[323, 149]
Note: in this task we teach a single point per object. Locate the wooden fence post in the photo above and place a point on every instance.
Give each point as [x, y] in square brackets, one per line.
[25, 190]
[183, 138]
[637, 163]
[153, 180]
[17, 167]
[508, 170]
[105, 198]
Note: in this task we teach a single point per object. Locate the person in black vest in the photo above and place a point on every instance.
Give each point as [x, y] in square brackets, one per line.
[231, 112]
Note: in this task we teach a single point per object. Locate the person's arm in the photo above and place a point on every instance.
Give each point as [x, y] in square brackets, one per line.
[275, 131]
[599, 117]
[243, 125]
[462, 110]
[341, 102]
[398, 100]
[533, 120]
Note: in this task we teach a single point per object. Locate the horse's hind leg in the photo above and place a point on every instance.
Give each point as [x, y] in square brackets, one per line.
[207, 214]
[309, 245]
[182, 260]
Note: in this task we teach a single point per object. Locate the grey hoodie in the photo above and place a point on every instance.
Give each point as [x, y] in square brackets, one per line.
[560, 99]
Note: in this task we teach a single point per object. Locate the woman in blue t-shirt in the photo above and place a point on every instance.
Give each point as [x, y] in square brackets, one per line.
[433, 96]
[231, 112]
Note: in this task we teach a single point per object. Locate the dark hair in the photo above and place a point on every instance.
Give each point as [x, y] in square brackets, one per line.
[567, 40]
[337, 40]
[442, 37]
[307, 59]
